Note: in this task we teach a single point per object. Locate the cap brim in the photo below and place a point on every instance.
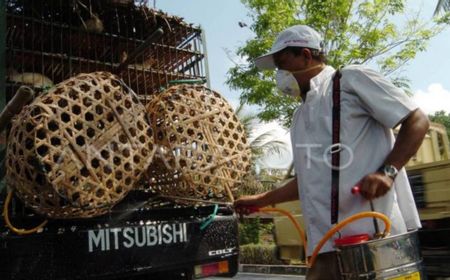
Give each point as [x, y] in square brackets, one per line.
[265, 62]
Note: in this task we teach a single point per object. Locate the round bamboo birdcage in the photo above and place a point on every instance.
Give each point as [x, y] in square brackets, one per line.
[202, 150]
[78, 149]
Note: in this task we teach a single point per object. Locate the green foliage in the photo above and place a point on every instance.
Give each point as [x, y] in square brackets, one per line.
[258, 254]
[442, 118]
[249, 231]
[251, 184]
[267, 228]
[355, 32]
[442, 6]
[261, 145]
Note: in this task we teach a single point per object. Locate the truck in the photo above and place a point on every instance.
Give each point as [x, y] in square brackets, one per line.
[429, 176]
[144, 236]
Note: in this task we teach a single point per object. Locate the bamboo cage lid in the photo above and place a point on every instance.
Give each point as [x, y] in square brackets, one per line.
[80, 148]
[202, 147]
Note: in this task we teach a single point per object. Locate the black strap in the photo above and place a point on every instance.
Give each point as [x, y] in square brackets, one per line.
[335, 148]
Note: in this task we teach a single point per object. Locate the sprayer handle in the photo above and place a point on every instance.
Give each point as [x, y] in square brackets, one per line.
[356, 190]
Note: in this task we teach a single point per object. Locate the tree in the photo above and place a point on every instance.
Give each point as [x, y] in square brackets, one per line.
[442, 6]
[261, 145]
[442, 118]
[358, 32]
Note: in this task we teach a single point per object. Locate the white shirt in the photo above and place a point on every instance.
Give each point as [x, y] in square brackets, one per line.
[370, 107]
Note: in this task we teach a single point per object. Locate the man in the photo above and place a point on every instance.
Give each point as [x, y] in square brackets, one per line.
[370, 156]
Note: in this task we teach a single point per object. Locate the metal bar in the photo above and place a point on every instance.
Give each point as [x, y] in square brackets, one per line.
[196, 200]
[52, 44]
[187, 40]
[144, 55]
[205, 54]
[193, 62]
[135, 53]
[70, 47]
[191, 81]
[2, 55]
[42, 66]
[140, 49]
[66, 58]
[164, 63]
[2, 82]
[62, 75]
[375, 224]
[118, 36]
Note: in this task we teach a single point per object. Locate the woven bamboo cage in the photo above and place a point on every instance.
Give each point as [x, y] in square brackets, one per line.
[203, 152]
[78, 149]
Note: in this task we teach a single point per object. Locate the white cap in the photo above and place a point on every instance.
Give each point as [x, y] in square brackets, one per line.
[294, 36]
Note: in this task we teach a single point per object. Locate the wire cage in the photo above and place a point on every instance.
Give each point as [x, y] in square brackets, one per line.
[50, 41]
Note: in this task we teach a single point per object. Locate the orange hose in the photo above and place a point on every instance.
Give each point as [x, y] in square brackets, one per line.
[332, 231]
[337, 227]
[8, 222]
[293, 220]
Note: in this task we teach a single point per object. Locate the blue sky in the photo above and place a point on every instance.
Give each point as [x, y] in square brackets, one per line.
[429, 72]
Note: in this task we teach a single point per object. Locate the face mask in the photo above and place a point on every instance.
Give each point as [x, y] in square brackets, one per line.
[287, 83]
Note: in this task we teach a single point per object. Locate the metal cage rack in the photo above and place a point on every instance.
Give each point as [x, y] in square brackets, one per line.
[59, 39]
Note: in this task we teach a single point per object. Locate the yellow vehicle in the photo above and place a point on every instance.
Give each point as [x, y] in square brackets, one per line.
[429, 175]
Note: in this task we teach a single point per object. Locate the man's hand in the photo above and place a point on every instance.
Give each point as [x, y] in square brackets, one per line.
[244, 204]
[375, 185]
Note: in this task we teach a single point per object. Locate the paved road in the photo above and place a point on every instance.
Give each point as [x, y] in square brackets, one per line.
[255, 276]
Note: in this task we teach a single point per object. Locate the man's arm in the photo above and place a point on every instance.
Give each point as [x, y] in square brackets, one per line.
[409, 138]
[288, 192]
[408, 141]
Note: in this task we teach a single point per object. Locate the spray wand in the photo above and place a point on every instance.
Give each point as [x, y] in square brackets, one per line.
[333, 230]
[357, 190]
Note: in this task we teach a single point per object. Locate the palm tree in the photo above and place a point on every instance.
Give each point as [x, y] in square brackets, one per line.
[261, 146]
[442, 6]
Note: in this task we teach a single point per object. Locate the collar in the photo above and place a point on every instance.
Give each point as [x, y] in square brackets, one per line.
[321, 77]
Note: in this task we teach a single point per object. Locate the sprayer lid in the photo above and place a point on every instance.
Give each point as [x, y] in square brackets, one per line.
[352, 239]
